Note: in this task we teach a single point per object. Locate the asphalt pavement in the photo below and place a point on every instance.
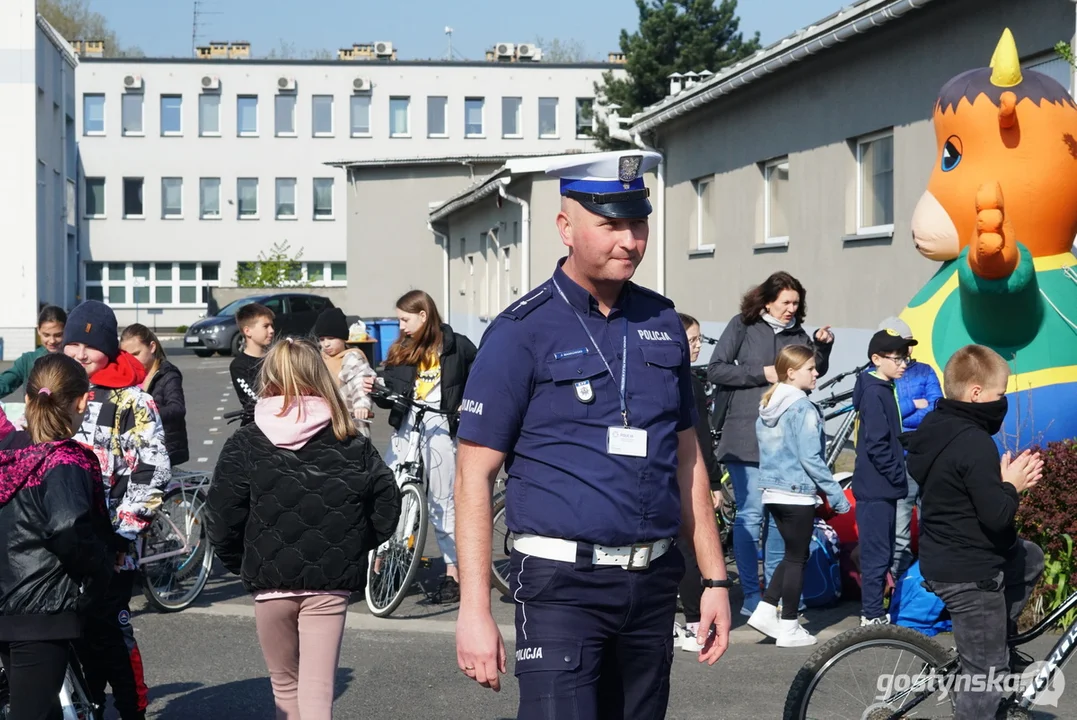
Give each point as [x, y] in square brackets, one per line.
[206, 663]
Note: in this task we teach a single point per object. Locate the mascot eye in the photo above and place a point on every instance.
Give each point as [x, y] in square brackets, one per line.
[951, 153]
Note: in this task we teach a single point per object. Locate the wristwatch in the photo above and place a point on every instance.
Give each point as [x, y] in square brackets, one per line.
[727, 583]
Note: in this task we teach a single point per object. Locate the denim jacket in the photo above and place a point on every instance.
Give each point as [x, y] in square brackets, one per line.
[791, 448]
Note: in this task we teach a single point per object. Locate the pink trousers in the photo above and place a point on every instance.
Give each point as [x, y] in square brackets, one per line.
[300, 639]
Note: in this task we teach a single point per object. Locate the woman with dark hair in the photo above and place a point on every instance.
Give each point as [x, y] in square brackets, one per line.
[164, 383]
[429, 363]
[742, 366]
[50, 331]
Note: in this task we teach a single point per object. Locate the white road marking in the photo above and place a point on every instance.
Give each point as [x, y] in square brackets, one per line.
[216, 417]
[207, 442]
[202, 460]
[213, 429]
[222, 372]
[220, 409]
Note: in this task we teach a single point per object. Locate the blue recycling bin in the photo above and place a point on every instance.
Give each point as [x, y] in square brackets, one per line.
[385, 331]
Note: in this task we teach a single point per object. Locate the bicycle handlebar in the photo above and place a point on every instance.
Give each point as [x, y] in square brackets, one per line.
[842, 376]
[835, 398]
[398, 399]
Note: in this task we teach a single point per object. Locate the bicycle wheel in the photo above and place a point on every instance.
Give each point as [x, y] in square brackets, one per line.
[501, 547]
[399, 558]
[868, 673]
[177, 536]
[74, 698]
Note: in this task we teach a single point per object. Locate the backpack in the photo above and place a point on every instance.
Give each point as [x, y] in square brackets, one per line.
[822, 572]
[914, 606]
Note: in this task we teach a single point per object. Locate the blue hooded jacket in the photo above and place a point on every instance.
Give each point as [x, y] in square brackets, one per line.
[879, 472]
[919, 381]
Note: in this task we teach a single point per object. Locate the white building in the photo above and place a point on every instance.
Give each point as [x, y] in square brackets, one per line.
[194, 166]
[38, 171]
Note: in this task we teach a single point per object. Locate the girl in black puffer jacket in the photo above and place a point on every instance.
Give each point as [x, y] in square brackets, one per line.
[56, 528]
[298, 500]
[164, 383]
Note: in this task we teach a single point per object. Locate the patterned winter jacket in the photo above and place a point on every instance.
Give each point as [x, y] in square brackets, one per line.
[123, 427]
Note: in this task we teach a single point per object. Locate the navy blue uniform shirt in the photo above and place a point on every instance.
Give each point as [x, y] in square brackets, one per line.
[523, 398]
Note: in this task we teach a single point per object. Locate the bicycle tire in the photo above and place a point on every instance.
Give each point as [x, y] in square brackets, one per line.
[199, 561]
[823, 659]
[80, 707]
[497, 579]
[406, 546]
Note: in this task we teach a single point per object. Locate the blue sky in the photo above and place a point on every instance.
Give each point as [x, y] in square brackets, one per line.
[416, 28]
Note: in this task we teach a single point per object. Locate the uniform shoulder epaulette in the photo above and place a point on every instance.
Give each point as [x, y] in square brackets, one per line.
[522, 308]
[652, 294]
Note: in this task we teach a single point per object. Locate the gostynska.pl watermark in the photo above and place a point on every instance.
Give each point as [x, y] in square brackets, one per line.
[896, 684]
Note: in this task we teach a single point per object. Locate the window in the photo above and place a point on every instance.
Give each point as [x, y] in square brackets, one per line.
[703, 225]
[93, 114]
[323, 198]
[285, 115]
[510, 117]
[285, 198]
[143, 283]
[247, 115]
[547, 117]
[69, 200]
[247, 197]
[132, 197]
[875, 185]
[338, 272]
[209, 198]
[436, 114]
[209, 114]
[321, 113]
[131, 111]
[171, 114]
[473, 112]
[399, 117]
[323, 274]
[360, 115]
[776, 228]
[584, 116]
[172, 197]
[95, 197]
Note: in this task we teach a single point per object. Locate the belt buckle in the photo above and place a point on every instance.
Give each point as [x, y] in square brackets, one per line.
[648, 547]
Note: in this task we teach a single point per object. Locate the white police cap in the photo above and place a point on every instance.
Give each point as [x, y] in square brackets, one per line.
[609, 183]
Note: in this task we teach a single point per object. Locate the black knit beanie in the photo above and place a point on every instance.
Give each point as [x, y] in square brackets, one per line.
[93, 324]
[331, 323]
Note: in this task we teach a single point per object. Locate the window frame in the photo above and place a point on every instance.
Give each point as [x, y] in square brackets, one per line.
[314, 131]
[240, 132]
[141, 132]
[179, 113]
[468, 101]
[277, 184]
[202, 132]
[519, 118]
[861, 228]
[201, 209]
[407, 116]
[104, 105]
[768, 169]
[165, 215]
[291, 96]
[142, 200]
[152, 283]
[314, 199]
[700, 186]
[239, 198]
[444, 116]
[85, 199]
[556, 119]
[590, 131]
[351, 115]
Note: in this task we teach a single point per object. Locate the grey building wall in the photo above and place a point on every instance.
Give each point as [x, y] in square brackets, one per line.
[814, 112]
[390, 249]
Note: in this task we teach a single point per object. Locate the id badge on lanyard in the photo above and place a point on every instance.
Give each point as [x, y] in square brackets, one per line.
[620, 439]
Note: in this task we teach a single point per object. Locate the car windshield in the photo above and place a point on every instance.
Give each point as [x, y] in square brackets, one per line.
[233, 307]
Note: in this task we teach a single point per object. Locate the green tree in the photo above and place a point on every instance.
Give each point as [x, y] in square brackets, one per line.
[76, 21]
[561, 51]
[277, 268]
[287, 50]
[673, 36]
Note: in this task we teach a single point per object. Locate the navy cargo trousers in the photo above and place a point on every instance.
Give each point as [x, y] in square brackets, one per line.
[876, 521]
[594, 642]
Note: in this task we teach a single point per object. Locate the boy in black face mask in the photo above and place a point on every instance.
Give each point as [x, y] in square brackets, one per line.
[970, 554]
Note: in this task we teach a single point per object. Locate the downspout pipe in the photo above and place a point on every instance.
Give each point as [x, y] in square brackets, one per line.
[444, 268]
[525, 235]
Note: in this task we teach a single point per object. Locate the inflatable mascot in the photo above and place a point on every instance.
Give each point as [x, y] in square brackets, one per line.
[1000, 211]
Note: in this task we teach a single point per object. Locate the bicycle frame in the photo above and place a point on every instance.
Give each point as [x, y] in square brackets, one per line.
[180, 480]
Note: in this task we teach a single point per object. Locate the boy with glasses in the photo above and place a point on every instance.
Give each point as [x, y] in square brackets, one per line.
[879, 478]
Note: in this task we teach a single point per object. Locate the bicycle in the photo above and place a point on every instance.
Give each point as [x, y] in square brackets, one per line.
[392, 567]
[933, 669]
[74, 698]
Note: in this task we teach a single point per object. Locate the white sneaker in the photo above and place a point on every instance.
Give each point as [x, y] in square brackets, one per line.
[765, 619]
[689, 641]
[884, 620]
[678, 635]
[791, 634]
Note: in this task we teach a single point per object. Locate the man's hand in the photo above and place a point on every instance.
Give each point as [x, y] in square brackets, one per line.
[480, 650]
[919, 403]
[714, 610]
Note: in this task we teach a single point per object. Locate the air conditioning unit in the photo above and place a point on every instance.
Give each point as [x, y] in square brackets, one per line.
[132, 82]
[286, 84]
[383, 49]
[361, 84]
[506, 49]
[525, 50]
[211, 82]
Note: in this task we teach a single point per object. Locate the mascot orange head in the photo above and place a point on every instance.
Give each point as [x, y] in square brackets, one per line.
[1006, 170]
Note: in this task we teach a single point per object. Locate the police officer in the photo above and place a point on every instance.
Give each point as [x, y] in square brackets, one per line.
[584, 386]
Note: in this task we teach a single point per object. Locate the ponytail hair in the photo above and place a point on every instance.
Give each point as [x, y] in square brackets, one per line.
[148, 338]
[791, 357]
[294, 368]
[55, 383]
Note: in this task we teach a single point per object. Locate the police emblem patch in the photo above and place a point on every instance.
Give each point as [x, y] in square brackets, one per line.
[628, 167]
[584, 392]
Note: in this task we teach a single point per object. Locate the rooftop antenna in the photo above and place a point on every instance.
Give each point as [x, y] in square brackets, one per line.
[448, 31]
[197, 22]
